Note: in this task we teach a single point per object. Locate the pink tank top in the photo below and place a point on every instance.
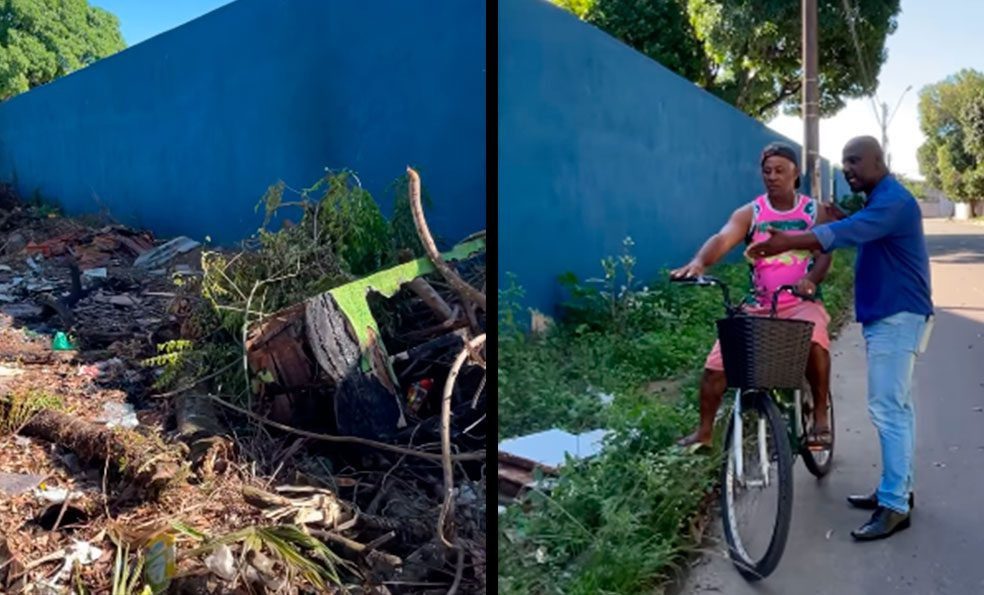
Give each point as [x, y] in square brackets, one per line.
[768, 274]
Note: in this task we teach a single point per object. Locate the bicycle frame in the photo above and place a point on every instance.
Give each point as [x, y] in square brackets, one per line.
[783, 417]
[795, 429]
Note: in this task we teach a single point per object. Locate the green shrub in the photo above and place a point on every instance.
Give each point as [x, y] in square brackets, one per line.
[851, 203]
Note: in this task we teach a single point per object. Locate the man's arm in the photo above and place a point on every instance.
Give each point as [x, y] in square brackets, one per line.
[871, 223]
[830, 212]
[877, 220]
[718, 244]
[780, 242]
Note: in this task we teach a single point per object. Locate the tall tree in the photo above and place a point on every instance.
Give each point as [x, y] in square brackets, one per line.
[661, 29]
[41, 40]
[578, 7]
[951, 116]
[748, 52]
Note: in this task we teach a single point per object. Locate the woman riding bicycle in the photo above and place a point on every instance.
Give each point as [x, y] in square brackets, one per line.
[783, 208]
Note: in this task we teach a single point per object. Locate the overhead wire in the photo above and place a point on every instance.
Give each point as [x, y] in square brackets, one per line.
[851, 14]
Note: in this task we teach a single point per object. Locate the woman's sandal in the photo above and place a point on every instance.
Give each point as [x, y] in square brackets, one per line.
[691, 445]
[819, 439]
[699, 448]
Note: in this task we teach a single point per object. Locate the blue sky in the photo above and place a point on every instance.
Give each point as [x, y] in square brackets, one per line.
[934, 39]
[142, 19]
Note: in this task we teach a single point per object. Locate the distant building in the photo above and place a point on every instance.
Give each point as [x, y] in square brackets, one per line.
[936, 204]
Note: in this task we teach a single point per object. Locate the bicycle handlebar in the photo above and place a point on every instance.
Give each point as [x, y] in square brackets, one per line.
[708, 281]
[792, 291]
[701, 280]
[731, 309]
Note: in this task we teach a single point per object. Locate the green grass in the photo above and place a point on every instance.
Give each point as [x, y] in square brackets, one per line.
[619, 522]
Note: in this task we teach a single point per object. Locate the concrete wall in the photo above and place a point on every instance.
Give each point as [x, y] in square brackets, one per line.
[184, 132]
[936, 205]
[598, 142]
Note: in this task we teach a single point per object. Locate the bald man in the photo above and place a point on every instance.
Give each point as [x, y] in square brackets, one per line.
[894, 305]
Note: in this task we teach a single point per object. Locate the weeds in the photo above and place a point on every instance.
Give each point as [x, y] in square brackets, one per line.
[126, 576]
[341, 235]
[851, 203]
[610, 341]
[182, 359]
[610, 525]
[17, 409]
[300, 553]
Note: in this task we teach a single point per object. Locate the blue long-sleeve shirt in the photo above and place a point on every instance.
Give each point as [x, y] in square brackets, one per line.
[891, 272]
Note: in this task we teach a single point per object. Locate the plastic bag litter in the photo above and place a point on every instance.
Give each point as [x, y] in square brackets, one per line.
[119, 414]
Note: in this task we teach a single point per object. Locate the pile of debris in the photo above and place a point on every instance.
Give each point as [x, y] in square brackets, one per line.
[333, 445]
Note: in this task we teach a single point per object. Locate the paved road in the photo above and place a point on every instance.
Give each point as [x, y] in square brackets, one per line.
[943, 552]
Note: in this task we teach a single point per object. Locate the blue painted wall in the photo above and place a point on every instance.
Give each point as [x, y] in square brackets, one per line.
[184, 132]
[598, 142]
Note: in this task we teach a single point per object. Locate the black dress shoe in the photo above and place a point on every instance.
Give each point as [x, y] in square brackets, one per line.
[870, 502]
[884, 522]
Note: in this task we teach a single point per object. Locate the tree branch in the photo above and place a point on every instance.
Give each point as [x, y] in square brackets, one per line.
[447, 508]
[463, 289]
[744, 78]
[785, 93]
[468, 456]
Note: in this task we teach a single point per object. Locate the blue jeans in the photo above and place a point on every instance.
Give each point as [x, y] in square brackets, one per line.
[892, 346]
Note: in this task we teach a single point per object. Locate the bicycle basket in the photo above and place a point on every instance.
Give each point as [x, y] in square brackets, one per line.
[764, 353]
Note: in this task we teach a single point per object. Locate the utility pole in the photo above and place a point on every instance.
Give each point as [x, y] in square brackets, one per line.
[884, 130]
[811, 100]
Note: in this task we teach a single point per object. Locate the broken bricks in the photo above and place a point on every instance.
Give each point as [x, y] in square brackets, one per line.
[94, 249]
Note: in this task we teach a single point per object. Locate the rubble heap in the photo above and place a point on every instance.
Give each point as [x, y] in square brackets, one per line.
[302, 414]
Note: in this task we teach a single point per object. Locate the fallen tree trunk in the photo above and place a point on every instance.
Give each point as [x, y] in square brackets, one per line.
[196, 417]
[366, 401]
[148, 466]
[199, 428]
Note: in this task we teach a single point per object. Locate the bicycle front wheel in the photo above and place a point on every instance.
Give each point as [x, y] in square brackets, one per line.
[757, 487]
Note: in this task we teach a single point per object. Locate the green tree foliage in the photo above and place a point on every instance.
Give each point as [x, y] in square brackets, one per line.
[41, 40]
[916, 187]
[748, 52]
[578, 7]
[951, 115]
[660, 29]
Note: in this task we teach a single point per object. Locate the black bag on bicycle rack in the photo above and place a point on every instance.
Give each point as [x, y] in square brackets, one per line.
[764, 353]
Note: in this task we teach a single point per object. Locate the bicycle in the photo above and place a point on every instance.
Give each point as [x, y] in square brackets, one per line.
[765, 361]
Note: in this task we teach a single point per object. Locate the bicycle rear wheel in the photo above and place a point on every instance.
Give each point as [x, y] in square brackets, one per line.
[817, 461]
[757, 501]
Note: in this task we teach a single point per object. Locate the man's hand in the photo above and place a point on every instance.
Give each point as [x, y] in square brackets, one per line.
[689, 271]
[831, 212]
[806, 288]
[777, 243]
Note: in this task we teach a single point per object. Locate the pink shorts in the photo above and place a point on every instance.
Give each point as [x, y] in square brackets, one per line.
[800, 310]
